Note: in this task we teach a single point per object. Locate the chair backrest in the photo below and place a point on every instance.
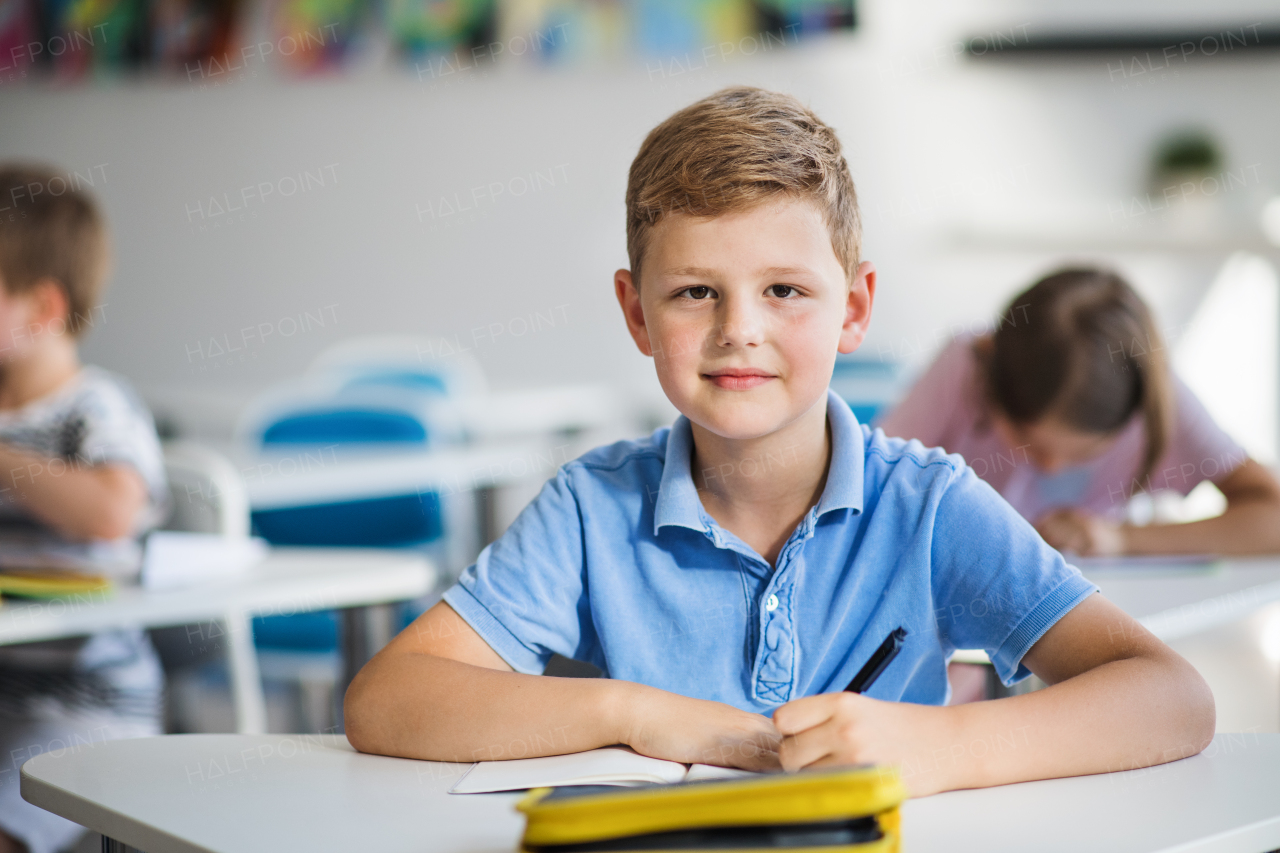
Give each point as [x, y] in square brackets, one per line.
[377, 390]
[208, 492]
[869, 386]
[407, 363]
[208, 496]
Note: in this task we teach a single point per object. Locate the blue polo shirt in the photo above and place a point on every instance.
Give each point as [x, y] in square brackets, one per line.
[617, 563]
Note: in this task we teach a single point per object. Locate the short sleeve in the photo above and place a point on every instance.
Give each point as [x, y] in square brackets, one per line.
[117, 429]
[1199, 449]
[525, 595]
[997, 585]
[935, 400]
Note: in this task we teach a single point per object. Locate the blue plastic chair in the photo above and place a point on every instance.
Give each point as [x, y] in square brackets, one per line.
[368, 393]
[869, 386]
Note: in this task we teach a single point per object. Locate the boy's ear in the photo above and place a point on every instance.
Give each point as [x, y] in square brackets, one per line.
[48, 303]
[857, 311]
[629, 299]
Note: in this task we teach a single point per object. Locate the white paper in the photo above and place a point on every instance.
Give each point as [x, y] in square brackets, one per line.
[174, 560]
[608, 766]
[700, 772]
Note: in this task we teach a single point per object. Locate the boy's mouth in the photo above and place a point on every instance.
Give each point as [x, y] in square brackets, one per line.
[738, 378]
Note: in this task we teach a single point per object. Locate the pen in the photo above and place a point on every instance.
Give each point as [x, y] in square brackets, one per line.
[879, 661]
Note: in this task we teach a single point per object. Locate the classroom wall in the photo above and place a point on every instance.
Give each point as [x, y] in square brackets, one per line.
[353, 189]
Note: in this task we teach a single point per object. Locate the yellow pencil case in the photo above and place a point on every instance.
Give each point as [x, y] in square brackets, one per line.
[852, 809]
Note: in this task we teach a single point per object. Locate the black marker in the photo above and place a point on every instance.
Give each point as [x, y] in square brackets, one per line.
[879, 661]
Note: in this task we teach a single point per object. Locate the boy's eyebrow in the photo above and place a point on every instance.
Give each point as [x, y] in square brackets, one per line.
[784, 271]
[693, 272]
[705, 272]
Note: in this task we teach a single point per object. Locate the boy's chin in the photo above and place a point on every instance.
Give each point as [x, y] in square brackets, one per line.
[742, 421]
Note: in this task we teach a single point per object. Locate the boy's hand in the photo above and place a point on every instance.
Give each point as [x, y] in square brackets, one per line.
[697, 731]
[1082, 533]
[833, 729]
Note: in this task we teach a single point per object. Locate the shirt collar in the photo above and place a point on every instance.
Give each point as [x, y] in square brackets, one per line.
[848, 453]
[678, 503]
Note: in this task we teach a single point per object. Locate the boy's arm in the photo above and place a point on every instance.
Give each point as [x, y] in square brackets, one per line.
[438, 691]
[98, 502]
[1118, 699]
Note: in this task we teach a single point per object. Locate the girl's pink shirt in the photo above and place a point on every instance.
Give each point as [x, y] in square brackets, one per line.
[945, 408]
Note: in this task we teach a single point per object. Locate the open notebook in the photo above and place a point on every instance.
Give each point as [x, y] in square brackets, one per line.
[608, 766]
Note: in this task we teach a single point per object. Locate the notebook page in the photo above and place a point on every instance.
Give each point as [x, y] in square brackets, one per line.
[608, 766]
[699, 772]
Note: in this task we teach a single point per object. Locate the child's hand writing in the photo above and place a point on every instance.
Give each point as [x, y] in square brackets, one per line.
[696, 731]
[833, 729]
[1082, 533]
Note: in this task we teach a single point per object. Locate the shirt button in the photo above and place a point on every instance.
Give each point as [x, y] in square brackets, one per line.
[771, 604]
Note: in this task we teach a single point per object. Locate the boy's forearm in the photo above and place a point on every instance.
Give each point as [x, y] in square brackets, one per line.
[422, 706]
[1122, 715]
[100, 502]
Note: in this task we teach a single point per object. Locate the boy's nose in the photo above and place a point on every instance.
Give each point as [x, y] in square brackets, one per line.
[739, 326]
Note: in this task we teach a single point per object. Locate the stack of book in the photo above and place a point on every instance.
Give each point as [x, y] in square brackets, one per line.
[34, 565]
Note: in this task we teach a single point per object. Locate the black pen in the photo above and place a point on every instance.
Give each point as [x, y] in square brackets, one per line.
[879, 662]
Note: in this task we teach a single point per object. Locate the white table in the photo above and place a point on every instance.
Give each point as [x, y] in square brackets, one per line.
[1175, 600]
[286, 477]
[513, 437]
[289, 580]
[283, 477]
[241, 793]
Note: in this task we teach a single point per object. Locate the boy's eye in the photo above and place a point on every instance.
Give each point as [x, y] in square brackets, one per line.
[699, 292]
[782, 291]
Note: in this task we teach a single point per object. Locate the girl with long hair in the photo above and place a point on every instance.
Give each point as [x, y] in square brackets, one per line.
[1069, 408]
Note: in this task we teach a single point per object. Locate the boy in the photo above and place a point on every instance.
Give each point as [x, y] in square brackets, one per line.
[79, 463]
[732, 573]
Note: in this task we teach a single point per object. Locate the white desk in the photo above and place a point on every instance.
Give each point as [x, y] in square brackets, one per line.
[287, 477]
[289, 580]
[241, 793]
[1178, 600]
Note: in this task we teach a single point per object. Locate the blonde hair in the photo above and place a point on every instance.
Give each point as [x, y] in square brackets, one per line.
[732, 150]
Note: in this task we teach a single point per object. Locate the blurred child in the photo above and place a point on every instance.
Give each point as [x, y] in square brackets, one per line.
[79, 462]
[1069, 409]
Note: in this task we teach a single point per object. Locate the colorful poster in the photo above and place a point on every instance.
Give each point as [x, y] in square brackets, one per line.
[424, 27]
[190, 32]
[84, 36]
[19, 39]
[76, 38]
[679, 31]
[672, 27]
[806, 16]
[547, 31]
[315, 35]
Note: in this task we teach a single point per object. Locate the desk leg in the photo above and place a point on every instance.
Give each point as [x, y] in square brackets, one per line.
[487, 513]
[110, 845]
[365, 630]
[246, 682]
